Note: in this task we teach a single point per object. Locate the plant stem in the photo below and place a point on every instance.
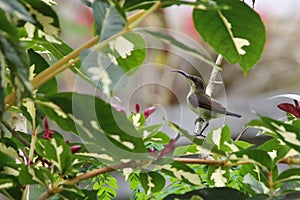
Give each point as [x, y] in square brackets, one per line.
[213, 76]
[15, 134]
[107, 169]
[145, 14]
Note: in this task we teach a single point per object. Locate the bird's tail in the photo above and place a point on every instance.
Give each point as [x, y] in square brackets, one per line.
[233, 114]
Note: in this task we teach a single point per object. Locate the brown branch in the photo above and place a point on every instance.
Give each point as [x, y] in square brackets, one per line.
[85, 176]
[15, 134]
[132, 164]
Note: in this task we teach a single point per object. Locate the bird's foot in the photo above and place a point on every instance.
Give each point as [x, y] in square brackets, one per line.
[199, 120]
[198, 128]
[199, 135]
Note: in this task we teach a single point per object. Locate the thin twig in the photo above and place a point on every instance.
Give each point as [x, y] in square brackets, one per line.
[213, 76]
[241, 134]
[15, 134]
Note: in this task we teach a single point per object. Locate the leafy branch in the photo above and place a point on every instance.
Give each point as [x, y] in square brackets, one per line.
[72, 58]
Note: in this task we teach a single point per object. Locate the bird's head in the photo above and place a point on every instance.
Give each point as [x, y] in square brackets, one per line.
[196, 82]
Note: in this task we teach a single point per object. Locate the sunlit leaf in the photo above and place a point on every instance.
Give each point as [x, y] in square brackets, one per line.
[189, 136]
[289, 175]
[57, 152]
[128, 50]
[33, 175]
[104, 129]
[182, 172]
[6, 183]
[152, 182]
[108, 20]
[235, 31]
[17, 9]
[15, 59]
[39, 64]
[254, 156]
[275, 149]
[257, 186]
[46, 19]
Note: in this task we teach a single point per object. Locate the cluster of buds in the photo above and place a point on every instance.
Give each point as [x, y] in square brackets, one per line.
[48, 134]
[290, 108]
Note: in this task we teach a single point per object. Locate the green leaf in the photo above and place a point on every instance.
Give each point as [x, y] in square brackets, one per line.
[17, 9]
[209, 194]
[177, 129]
[181, 172]
[130, 5]
[39, 65]
[264, 127]
[234, 31]
[218, 176]
[127, 50]
[149, 131]
[186, 150]
[152, 182]
[46, 19]
[290, 186]
[10, 150]
[256, 185]
[289, 175]
[16, 60]
[104, 130]
[6, 183]
[243, 144]
[108, 20]
[167, 39]
[254, 156]
[275, 149]
[221, 138]
[74, 192]
[159, 138]
[57, 152]
[100, 71]
[289, 133]
[35, 175]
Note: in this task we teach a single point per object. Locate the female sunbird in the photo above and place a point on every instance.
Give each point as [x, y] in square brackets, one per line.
[200, 103]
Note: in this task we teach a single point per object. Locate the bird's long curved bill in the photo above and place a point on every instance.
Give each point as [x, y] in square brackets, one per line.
[181, 72]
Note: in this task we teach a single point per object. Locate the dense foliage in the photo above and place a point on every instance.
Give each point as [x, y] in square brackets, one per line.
[38, 162]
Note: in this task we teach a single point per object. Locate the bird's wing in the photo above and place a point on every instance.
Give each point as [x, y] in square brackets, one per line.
[206, 102]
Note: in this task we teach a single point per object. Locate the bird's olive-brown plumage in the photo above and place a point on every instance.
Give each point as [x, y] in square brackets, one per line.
[203, 105]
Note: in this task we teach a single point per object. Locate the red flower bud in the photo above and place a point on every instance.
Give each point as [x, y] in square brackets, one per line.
[149, 111]
[290, 108]
[137, 108]
[47, 132]
[75, 148]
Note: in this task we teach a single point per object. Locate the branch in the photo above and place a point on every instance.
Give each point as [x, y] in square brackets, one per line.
[85, 176]
[15, 134]
[107, 169]
[213, 76]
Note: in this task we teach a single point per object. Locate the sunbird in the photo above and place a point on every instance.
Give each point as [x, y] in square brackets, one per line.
[200, 103]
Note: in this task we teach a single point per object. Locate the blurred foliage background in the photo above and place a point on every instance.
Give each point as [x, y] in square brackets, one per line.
[277, 72]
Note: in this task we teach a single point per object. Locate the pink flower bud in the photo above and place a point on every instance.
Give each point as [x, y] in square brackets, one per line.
[47, 132]
[290, 108]
[137, 108]
[149, 111]
[75, 148]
